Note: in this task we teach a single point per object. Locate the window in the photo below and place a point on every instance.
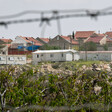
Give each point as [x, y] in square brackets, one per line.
[51, 55]
[37, 55]
[3, 52]
[11, 58]
[2, 58]
[62, 54]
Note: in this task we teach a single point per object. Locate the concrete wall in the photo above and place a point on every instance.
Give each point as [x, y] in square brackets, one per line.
[101, 48]
[96, 56]
[12, 59]
[76, 56]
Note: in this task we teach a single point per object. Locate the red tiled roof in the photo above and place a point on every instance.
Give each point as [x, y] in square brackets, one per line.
[31, 39]
[101, 35]
[109, 34]
[95, 39]
[69, 39]
[83, 34]
[6, 40]
[26, 39]
[8, 45]
[45, 39]
[108, 40]
[38, 44]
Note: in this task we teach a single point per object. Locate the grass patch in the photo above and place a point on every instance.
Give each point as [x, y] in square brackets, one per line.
[29, 56]
[75, 64]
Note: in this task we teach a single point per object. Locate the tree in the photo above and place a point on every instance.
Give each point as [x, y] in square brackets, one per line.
[73, 35]
[2, 45]
[47, 47]
[89, 46]
[105, 47]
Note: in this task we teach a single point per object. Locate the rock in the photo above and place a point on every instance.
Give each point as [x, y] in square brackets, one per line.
[98, 69]
[84, 66]
[107, 67]
[97, 89]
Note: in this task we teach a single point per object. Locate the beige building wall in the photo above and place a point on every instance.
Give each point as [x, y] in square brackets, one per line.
[103, 41]
[19, 40]
[13, 59]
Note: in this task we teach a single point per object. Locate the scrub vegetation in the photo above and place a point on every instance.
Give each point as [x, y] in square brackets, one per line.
[66, 86]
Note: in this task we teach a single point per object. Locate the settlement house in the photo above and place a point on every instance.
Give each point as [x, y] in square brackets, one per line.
[63, 42]
[55, 55]
[81, 36]
[99, 39]
[25, 43]
[4, 45]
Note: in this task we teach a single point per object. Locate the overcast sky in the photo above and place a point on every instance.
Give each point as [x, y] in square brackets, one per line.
[8, 7]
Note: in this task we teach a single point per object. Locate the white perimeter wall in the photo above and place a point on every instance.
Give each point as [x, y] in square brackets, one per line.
[13, 59]
[72, 57]
[76, 56]
[96, 56]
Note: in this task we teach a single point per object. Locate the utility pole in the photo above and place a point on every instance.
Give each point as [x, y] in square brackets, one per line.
[71, 42]
[85, 52]
[6, 53]
[32, 46]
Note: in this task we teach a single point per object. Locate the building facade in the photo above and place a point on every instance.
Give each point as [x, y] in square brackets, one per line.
[54, 55]
[63, 42]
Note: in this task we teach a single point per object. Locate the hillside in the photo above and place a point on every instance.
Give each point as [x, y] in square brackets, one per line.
[66, 86]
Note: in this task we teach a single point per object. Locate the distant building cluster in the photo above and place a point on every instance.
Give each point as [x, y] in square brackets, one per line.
[26, 45]
[29, 44]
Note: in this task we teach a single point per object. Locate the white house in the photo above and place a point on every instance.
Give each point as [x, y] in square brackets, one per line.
[13, 59]
[96, 55]
[55, 55]
[24, 41]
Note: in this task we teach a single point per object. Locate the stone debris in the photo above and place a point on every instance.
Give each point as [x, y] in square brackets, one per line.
[48, 68]
[95, 67]
[97, 89]
[84, 67]
[98, 69]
